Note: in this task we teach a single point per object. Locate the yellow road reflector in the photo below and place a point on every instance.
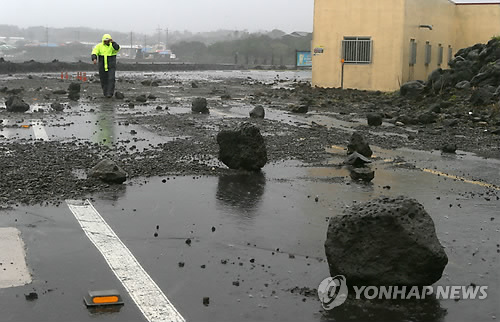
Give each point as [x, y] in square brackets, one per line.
[103, 298]
[25, 126]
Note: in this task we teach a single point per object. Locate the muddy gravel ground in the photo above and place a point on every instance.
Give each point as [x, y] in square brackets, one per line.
[161, 137]
[257, 238]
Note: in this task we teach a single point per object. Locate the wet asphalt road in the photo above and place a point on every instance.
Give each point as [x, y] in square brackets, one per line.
[268, 237]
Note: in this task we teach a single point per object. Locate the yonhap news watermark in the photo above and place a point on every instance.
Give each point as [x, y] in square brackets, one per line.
[333, 292]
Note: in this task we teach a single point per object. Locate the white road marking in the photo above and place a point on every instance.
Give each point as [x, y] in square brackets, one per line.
[142, 289]
[39, 131]
[13, 259]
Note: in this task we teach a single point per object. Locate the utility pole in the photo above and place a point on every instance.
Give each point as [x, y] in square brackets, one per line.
[159, 35]
[131, 47]
[47, 43]
[166, 39]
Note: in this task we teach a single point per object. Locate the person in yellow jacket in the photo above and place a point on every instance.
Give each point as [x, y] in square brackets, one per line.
[106, 53]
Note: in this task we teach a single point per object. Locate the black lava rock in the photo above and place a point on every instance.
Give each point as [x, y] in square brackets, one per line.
[199, 105]
[359, 144]
[386, 241]
[108, 171]
[374, 119]
[16, 104]
[242, 147]
[258, 112]
[141, 98]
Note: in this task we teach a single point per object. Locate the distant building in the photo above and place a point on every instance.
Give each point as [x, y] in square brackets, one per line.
[386, 43]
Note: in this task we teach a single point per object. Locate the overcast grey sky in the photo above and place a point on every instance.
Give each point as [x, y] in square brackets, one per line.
[146, 15]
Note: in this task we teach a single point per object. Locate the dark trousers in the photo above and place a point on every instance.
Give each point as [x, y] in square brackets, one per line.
[107, 81]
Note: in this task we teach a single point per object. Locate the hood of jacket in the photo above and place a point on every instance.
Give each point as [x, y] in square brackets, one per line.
[106, 36]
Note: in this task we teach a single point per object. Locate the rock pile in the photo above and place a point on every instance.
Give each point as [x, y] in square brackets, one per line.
[476, 67]
[359, 154]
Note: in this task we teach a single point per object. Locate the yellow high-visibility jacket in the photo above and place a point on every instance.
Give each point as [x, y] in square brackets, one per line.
[104, 51]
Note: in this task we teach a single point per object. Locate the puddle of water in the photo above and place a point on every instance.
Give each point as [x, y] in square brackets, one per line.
[219, 76]
[255, 214]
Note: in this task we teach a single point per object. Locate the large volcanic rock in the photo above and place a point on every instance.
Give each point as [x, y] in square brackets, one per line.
[16, 104]
[386, 241]
[108, 171]
[242, 147]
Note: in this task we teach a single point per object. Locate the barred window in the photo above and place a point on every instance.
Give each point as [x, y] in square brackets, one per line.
[413, 52]
[428, 52]
[450, 54]
[357, 50]
[440, 54]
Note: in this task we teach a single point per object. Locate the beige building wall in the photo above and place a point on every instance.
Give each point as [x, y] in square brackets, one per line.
[476, 24]
[441, 15]
[392, 24]
[382, 20]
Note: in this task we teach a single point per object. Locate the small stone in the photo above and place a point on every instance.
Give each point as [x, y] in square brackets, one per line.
[449, 148]
[199, 105]
[258, 112]
[31, 296]
[206, 301]
[56, 106]
[108, 171]
[374, 119]
[302, 109]
[356, 159]
[141, 98]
